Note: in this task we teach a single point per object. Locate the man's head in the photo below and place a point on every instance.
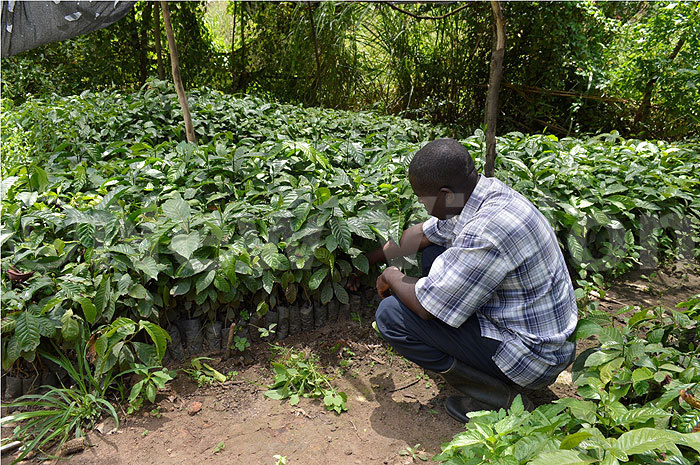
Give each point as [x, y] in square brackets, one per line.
[443, 175]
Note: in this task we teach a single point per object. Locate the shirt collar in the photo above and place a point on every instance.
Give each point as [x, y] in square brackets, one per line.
[477, 197]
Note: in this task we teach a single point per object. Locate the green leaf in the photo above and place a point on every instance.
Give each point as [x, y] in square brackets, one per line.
[273, 258]
[562, 457]
[178, 210]
[11, 354]
[600, 357]
[331, 243]
[575, 439]
[262, 308]
[324, 256]
[358, 227]
[181, 287]
[103, 294]
[86, 234]
[135, 390]
[575, 248]
[137, 291]
[27, 331]
[185, 244]
[317, 278]
[70, 328]
[587, 328]
[611, 336]
[361, 263]
[301, 212]
[326, 293]
[341, 232]
[222, 284]
[5, 235]
[39, 180]
[194, 266]
[396, 227]
[642, 440]
[149, 267]
[276, 394]
[6, 184]
[159, 336]
[204, 281]
[268, 280]
[46, 327]
[89, 309]
[341, 294]
[641, 374]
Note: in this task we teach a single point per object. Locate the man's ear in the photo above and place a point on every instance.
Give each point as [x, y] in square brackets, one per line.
[449, 195]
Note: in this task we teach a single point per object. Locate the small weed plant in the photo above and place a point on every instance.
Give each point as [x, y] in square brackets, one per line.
[147, 387]
[297, 375]
[414, 452]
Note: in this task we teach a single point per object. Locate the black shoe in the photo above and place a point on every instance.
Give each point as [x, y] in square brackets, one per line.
[482, 390]
[458, 406]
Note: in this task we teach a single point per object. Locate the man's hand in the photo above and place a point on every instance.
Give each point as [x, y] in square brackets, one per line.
[383, 288]
[393, 281]
[353, 283]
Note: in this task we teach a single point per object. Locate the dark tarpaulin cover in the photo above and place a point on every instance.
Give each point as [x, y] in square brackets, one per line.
[26, 25]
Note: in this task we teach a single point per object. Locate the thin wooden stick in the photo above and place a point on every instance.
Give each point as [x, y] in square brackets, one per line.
[406, 386]
[175, 65]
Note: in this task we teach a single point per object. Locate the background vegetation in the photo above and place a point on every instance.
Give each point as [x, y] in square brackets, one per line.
[570, 67]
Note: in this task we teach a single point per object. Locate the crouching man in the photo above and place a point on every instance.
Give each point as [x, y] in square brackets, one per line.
[495, 307]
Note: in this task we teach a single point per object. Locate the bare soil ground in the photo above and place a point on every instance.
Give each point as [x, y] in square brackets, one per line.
[393, 405]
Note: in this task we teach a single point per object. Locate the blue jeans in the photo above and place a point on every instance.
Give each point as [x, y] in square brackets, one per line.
[433, 344]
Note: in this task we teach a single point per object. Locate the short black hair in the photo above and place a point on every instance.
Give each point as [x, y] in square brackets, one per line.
[440, 163]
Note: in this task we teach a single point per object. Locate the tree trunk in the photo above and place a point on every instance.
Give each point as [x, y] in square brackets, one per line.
[143, 59]
[232, 63]
[643, 110]
[243, 81]
[175, 64]
[496, 75]
[159, 52]
[317, 79]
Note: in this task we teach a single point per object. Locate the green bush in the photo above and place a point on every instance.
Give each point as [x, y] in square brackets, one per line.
[118, 218]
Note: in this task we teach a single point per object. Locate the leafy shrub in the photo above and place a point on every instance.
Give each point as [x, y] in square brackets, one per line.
[118, 219]
[630, 408]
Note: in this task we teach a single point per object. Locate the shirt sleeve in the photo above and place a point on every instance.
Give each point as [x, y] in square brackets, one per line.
[461, 281]
[439, 232]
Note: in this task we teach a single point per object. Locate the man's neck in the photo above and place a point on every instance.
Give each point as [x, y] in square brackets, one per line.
[462, 195]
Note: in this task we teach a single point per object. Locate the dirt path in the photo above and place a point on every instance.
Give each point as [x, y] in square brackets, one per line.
[393, 405]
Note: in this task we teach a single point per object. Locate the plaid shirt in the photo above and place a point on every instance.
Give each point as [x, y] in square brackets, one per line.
[503, 262]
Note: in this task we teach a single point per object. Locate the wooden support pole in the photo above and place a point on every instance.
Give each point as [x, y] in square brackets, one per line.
[317, 78]
[159, 52]
[232, 64]
[496, 76]
[175, 65]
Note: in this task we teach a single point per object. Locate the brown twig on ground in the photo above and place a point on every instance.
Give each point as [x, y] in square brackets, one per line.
[355, 428]
[404, 387]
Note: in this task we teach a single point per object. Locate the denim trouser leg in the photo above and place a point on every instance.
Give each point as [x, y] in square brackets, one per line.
[433, 344]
